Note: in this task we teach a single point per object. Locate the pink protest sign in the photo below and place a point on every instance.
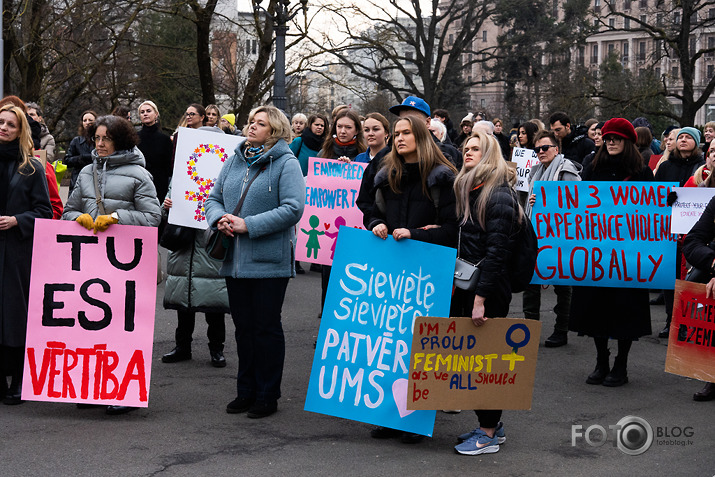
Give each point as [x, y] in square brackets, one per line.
[330, 193]
[90, 323]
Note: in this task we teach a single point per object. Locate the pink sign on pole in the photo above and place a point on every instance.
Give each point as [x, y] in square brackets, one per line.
[330, 193]
[90, 324]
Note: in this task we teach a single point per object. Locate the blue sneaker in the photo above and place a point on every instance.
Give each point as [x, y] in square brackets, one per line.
[479, 443]
[501, 436]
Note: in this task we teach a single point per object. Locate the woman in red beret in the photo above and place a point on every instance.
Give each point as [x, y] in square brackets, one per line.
[620, 313]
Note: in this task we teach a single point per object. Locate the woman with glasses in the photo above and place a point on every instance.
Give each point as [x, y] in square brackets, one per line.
[193, 284]
[115, 189]
[552, 166]
[603, 313]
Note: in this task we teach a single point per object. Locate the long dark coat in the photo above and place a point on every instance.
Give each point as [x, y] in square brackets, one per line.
[28, 199]
[619, 313]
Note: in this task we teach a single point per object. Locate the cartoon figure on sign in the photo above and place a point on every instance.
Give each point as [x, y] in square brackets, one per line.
[339, 222]
[205, 185]
[313, 245]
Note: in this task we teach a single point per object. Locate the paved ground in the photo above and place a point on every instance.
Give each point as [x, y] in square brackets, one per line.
[186, 431]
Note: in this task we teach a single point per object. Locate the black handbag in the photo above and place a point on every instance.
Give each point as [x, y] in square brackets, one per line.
[698, 275]
[218, 244]
[177, 237]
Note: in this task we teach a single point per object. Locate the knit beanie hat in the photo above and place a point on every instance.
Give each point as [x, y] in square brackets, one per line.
[231, 118]
[692, 132]
[619, 127]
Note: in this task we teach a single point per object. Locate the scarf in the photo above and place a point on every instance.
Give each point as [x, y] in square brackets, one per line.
[9, 154]
[311, 140]
[348, 149]
[541, 173]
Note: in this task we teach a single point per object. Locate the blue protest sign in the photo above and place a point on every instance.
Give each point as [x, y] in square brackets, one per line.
[606, 234]
[377, 288]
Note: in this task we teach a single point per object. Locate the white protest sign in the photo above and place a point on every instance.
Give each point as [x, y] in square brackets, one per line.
[525, 159]
[689, 207]
[200, 155]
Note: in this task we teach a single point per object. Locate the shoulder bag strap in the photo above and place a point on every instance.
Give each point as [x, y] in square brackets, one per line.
[245, 191]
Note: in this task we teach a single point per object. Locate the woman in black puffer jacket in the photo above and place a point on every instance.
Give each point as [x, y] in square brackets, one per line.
[490, 218]
[413, 199]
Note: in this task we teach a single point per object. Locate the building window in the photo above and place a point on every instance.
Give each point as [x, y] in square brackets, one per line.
[610, 49]
[659, 19]
[594, 55]
[676, 18]
[483, 103]
[248, 47]
[627, 5]
[657, 72]
[484, 35]
[694, 18]
[484, 79]
[408, 55]
[625, 52]
[451, 39]
[612, 22]
[254, 47]
[711, 71]
[711, 13]
[674, 73]
[627, 23]
[581, 55]
[692, 46]
[644, 3]
[644, 19]
[711, 45]
[641, 51]
[596, 6]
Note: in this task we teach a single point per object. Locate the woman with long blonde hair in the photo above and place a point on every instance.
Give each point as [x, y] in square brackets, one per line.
[490, 219]
[24, 197]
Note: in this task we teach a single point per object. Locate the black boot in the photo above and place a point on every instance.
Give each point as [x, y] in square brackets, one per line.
[177, 354]
[602, 354]
[705, 394]
[599, 373]
[619, 374]
[14, 393]
[666, 330]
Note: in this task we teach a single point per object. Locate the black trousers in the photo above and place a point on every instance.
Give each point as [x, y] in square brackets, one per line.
[216, 331]
[256, 306]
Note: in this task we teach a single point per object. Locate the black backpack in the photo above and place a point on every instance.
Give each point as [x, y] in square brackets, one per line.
[523, 260]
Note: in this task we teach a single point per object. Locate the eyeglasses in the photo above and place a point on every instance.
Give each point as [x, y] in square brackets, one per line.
[191, 115]
[613, 139]
[539, 149]
[98, 139]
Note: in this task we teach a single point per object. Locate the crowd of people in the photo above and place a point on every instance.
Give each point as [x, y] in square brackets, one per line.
[424, 180]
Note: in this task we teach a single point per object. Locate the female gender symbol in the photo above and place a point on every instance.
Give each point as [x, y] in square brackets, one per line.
[205, 185]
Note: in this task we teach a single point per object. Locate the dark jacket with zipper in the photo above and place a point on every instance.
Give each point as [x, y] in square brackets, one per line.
[412, 209]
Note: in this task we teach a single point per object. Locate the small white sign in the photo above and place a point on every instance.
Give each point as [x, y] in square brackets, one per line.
[689, 207]
[200, 155]
[525, 159]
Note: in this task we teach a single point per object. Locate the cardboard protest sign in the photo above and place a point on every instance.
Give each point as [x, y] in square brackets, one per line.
[90, 324]
[40, 155]
[607, 234]
[330, 192]
[689, 207]
[200, 155]
[525, 159]
[377, 288]
[456, 365]
[691, 342]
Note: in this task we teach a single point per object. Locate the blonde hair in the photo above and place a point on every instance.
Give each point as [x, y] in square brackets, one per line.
[24, 138]
[490, 172]
[280, 127]
[666, 152]
[428, 156]
[153, 106]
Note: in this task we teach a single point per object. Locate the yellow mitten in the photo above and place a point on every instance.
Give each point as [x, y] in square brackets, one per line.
[85, 220]
[103, 222]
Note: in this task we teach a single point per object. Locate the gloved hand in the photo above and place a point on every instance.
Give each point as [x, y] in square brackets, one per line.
[672, 198]
[85, 220]
[103, 222]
